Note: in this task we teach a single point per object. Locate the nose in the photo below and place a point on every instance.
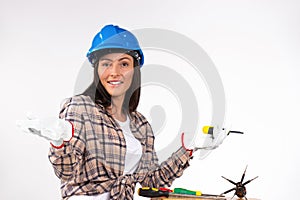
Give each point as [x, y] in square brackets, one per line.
[115, 69]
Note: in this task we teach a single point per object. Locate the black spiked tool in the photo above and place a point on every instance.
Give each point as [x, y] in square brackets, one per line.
[240, 189]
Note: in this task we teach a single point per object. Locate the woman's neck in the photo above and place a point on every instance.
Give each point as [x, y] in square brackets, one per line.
[116, 109]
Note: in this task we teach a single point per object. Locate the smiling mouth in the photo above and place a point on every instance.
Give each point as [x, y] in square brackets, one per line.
[115, 82]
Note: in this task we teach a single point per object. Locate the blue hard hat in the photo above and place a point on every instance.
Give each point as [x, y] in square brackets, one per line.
[114, 37]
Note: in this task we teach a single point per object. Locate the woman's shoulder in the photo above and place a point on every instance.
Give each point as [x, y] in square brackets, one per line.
[139, 117]
[78, 101]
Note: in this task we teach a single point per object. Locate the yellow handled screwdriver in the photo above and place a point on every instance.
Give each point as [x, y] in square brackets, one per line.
[210, 130]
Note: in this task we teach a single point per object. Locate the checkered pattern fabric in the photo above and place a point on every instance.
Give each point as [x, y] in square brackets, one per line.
[92, 162]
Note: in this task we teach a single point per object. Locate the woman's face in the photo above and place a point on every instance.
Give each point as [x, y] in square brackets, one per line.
[115, 71]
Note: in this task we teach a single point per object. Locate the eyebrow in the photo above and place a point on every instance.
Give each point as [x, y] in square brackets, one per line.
[123, 58]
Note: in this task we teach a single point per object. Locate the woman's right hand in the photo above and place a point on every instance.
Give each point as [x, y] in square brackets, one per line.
[55, 130]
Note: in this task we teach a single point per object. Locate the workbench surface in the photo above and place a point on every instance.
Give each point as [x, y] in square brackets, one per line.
[199, 198]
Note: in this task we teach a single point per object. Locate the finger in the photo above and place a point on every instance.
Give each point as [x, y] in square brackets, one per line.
[21, 124]
[30, 115]
[34, 131]
[39, 133]
[51, 134]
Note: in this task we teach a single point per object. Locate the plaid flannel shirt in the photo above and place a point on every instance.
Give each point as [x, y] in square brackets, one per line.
[92, 162]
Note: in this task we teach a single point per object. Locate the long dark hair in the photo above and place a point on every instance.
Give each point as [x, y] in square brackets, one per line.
[100, 96]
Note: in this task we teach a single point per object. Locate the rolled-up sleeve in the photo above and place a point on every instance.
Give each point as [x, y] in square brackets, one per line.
[64, 160]
[164, 174]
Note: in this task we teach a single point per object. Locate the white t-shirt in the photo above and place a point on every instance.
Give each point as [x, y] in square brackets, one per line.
[132, 158]
[133, 148]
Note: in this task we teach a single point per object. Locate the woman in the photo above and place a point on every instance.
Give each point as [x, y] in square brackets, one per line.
[112, 147]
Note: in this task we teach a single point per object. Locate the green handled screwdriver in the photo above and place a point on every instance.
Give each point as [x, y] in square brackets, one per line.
[185, 191]
[177, 192]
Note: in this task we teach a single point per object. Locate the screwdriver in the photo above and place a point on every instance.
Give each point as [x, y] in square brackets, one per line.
[163, 192]
[210, 129]
[185, 191]
[177, 192]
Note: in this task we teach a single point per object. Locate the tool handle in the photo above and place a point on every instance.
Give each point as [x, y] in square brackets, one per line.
[152, 192]
[185, 191]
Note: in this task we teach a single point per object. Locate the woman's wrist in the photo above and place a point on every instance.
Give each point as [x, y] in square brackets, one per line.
[183, 145]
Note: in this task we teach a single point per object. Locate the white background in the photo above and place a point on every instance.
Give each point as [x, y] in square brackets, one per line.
[254, 45]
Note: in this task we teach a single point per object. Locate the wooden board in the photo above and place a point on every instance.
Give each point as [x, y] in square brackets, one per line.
[187, 198]
[199, 198]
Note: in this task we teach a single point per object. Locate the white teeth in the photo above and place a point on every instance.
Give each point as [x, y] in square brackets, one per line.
[115, 82]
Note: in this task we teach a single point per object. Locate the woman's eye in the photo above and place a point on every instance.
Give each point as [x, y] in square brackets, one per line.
[124, 64]
[105, 64]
